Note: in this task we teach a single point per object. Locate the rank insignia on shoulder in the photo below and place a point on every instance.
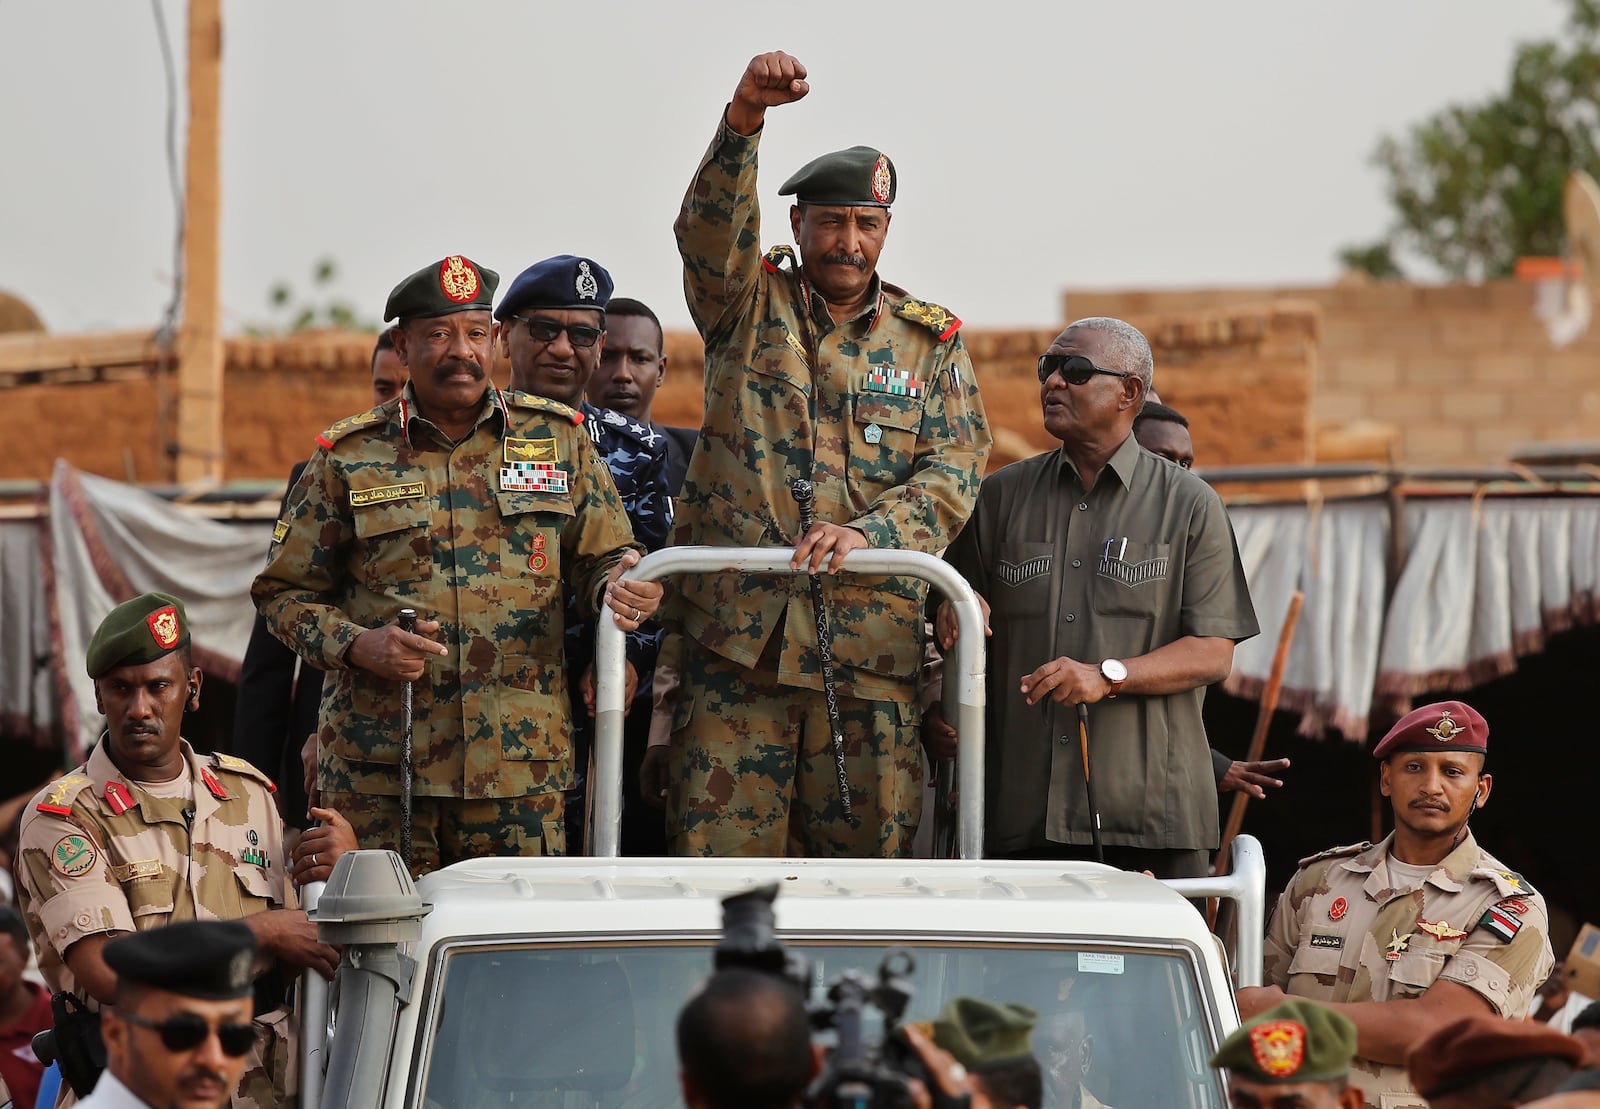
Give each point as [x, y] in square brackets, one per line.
[59, 799]
[1509, 882]
[280, 532]
[1500, 923]
[386, 494]
[518, 399]
[370, 418]
[936, 319]
[774, 259]
[1335, 853]
[1440, 930]
[73, 855]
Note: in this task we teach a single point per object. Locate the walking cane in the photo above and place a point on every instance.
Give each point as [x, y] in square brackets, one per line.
[408, 623]
[1088, 782]
[805, 497]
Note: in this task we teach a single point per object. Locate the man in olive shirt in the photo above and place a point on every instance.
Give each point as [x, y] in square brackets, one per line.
[1114, 581]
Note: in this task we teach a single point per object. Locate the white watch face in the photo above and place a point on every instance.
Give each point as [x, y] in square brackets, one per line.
[1113, 670]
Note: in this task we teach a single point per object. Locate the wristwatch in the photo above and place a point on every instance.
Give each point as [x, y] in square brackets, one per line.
[1113, 671]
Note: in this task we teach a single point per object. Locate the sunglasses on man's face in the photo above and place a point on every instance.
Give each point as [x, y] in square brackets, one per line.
[187, 1031]
[548, 331]
[1074, 369]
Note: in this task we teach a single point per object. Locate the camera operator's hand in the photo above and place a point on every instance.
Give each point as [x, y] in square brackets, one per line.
[954, 1087]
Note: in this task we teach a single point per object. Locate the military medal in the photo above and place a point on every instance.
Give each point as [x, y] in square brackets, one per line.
[1397, 944]
[537, 560]
[1440, 930]
[873, 434]
[1339, 907]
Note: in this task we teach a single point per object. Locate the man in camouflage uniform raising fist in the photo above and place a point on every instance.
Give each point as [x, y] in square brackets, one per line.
[815, 368]
[471, 506]
[1424, 928]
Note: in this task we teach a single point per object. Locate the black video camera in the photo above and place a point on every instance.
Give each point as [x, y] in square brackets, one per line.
[857, 1074]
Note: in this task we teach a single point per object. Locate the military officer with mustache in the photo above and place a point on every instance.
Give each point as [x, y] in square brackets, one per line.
[1425, 927]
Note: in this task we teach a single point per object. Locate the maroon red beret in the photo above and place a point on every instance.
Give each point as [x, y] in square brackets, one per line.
[1457, 1054]
[1442, 726]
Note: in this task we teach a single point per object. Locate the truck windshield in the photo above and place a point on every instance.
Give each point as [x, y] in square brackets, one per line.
[593, 1025]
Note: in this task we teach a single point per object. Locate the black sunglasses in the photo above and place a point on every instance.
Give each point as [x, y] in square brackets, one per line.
[1074, 369]
[187, 1031]
[548, 331]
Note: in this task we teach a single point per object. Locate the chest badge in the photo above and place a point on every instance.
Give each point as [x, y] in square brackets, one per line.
[873, 434]
[1440, 929]
[1397, 944]
[1337, 910]
[537, 561]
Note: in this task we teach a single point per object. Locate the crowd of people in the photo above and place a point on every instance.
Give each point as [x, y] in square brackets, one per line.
[421, 675]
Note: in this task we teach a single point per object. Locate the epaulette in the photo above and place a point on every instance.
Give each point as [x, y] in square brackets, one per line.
[938, 320]
[544, 404]
[58, 800]
[777, 256]
[634, 430]
[1508, 882]
[241, 767]
[370, 418]
[1335, 853]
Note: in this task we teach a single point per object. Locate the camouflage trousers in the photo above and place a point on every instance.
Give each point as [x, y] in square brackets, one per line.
[270, 1079]
[753, 773]
[445, 830]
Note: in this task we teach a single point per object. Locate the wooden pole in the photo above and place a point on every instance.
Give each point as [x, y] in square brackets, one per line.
[200, 356]
[1258, 740]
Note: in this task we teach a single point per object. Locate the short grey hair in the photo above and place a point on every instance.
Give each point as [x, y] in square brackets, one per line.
[1127, 348]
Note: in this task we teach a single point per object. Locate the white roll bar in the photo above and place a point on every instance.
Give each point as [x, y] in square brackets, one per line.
[965, 668]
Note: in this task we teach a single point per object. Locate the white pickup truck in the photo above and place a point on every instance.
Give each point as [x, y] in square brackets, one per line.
[557, 982]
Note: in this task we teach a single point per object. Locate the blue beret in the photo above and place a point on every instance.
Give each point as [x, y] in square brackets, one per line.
[565, 281]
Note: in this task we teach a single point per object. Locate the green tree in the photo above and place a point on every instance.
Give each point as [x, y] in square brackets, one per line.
[306, 315]
[1476, 186]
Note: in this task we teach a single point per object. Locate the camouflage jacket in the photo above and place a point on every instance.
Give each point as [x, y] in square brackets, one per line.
[1342, 932]
[479, 535]
[636, 455]
[100, 854]
[881, 412]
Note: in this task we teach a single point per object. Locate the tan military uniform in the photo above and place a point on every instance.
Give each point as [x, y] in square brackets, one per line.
[99, 856]
[1342, 932]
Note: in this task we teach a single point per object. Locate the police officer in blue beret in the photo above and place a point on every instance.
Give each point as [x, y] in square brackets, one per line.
[551, 327]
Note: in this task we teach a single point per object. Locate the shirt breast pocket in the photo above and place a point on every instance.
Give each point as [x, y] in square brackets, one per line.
[397, 542]
[1020, 581]
[883, 441]
[529, 574]
[1130, 579]
[1318, 964]
[1414, 971]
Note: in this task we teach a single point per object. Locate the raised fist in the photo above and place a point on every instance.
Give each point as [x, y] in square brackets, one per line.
[769, 80]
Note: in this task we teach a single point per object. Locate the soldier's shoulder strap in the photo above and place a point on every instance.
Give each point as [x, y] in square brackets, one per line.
[535, 403]
[230, 764]
[1508, 883]
[1344, 852]
[57, 797]
[937, 319]
[372, 417]
[779, 258]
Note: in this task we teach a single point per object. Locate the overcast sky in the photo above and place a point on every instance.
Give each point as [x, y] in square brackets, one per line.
[1039, 146]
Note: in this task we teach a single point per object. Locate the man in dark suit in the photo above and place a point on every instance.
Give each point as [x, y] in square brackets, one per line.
[632, 368]
[278, 697]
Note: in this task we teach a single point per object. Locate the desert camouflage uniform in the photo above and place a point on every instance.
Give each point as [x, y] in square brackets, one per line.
[882, 413]
[1341, 932]
[390, 514]
[88, 869]
[636, 455]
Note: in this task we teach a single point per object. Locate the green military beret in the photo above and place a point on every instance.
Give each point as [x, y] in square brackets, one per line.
[1298, 1041]
[455, 284]
[858, 177]
[982, 1034]
[136, 632]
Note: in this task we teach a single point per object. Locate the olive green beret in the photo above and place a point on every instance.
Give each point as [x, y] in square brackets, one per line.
[213, 960]
[982, 1034]
[860, 177]
[455, 284]
[136, 632]
[1298, 1041]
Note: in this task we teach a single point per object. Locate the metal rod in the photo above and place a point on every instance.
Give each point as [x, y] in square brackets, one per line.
[806, 498]
[1246, 886]
[967, 670]
[408, 623]
[313, 1017]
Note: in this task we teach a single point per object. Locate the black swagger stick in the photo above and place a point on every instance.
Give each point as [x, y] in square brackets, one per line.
[805, 496]
[408, 623]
